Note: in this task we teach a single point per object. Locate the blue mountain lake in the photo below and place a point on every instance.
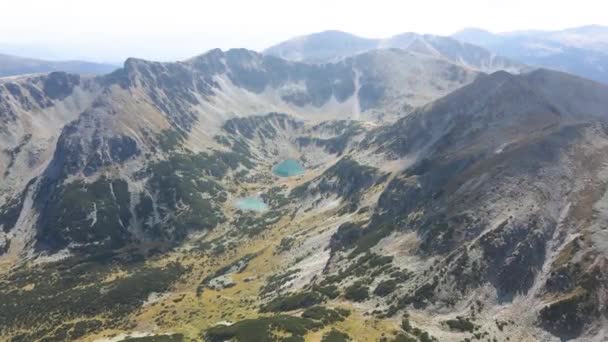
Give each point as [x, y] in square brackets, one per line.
[251, 204]
[288, 168]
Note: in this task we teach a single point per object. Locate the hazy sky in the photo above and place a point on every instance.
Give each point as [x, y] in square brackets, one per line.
[111, 30]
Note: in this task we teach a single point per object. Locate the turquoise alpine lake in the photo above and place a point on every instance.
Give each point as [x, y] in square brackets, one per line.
[251, 204]
[288, 168]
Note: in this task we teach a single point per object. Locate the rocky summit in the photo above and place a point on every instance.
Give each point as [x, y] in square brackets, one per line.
[409, 189]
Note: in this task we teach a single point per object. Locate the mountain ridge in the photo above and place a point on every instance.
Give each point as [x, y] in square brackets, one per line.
[320, 47]
[582, 50]
[13, 66]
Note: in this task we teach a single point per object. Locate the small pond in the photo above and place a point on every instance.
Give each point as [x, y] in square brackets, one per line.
[251, 204]
[288, 168]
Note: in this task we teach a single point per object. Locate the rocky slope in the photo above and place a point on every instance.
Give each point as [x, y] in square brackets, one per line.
[497, 202]
[477, 215]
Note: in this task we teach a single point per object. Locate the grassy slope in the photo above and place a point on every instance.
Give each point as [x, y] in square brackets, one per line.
[181, 311]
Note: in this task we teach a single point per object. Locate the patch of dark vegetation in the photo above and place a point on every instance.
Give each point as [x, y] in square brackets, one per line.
[5, 246]
[566, 274]
[426, 337]
[405, 323]
[240, 146]
[275, 197]
[252, 224]
[329, 291]
[347, 179]
[68, 331]
[466, 273]
[11, 209]
[335, 145]
[567, 316]
[410, 330]
[385, 288]
[501, 324]
[285, 245]
[436, 236]
[276, 281]
[369, 264]
[81, 328]
[461, 324]
[157, 338]
[399, 198]
[263, 127]
[235, 144]
[401, 337]
[357, 292]
[222, 140]
[335, 335]
[370, 236]
[420, 167]
[513, 254]
[169, 140]
[185, 195]
[77, 289]
[346, 236]
[94, 215]
[263, 329]
[237, 266]
[325, 315]
[122, 148]
[293, 301]
[355, 235]
[215, 164]
[419, 298]
[401, 275]
[182, 194]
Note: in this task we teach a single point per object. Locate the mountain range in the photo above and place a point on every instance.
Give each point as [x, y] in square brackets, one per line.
[329, 46]
[433, 192]
[13, 65]
[582, 51]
